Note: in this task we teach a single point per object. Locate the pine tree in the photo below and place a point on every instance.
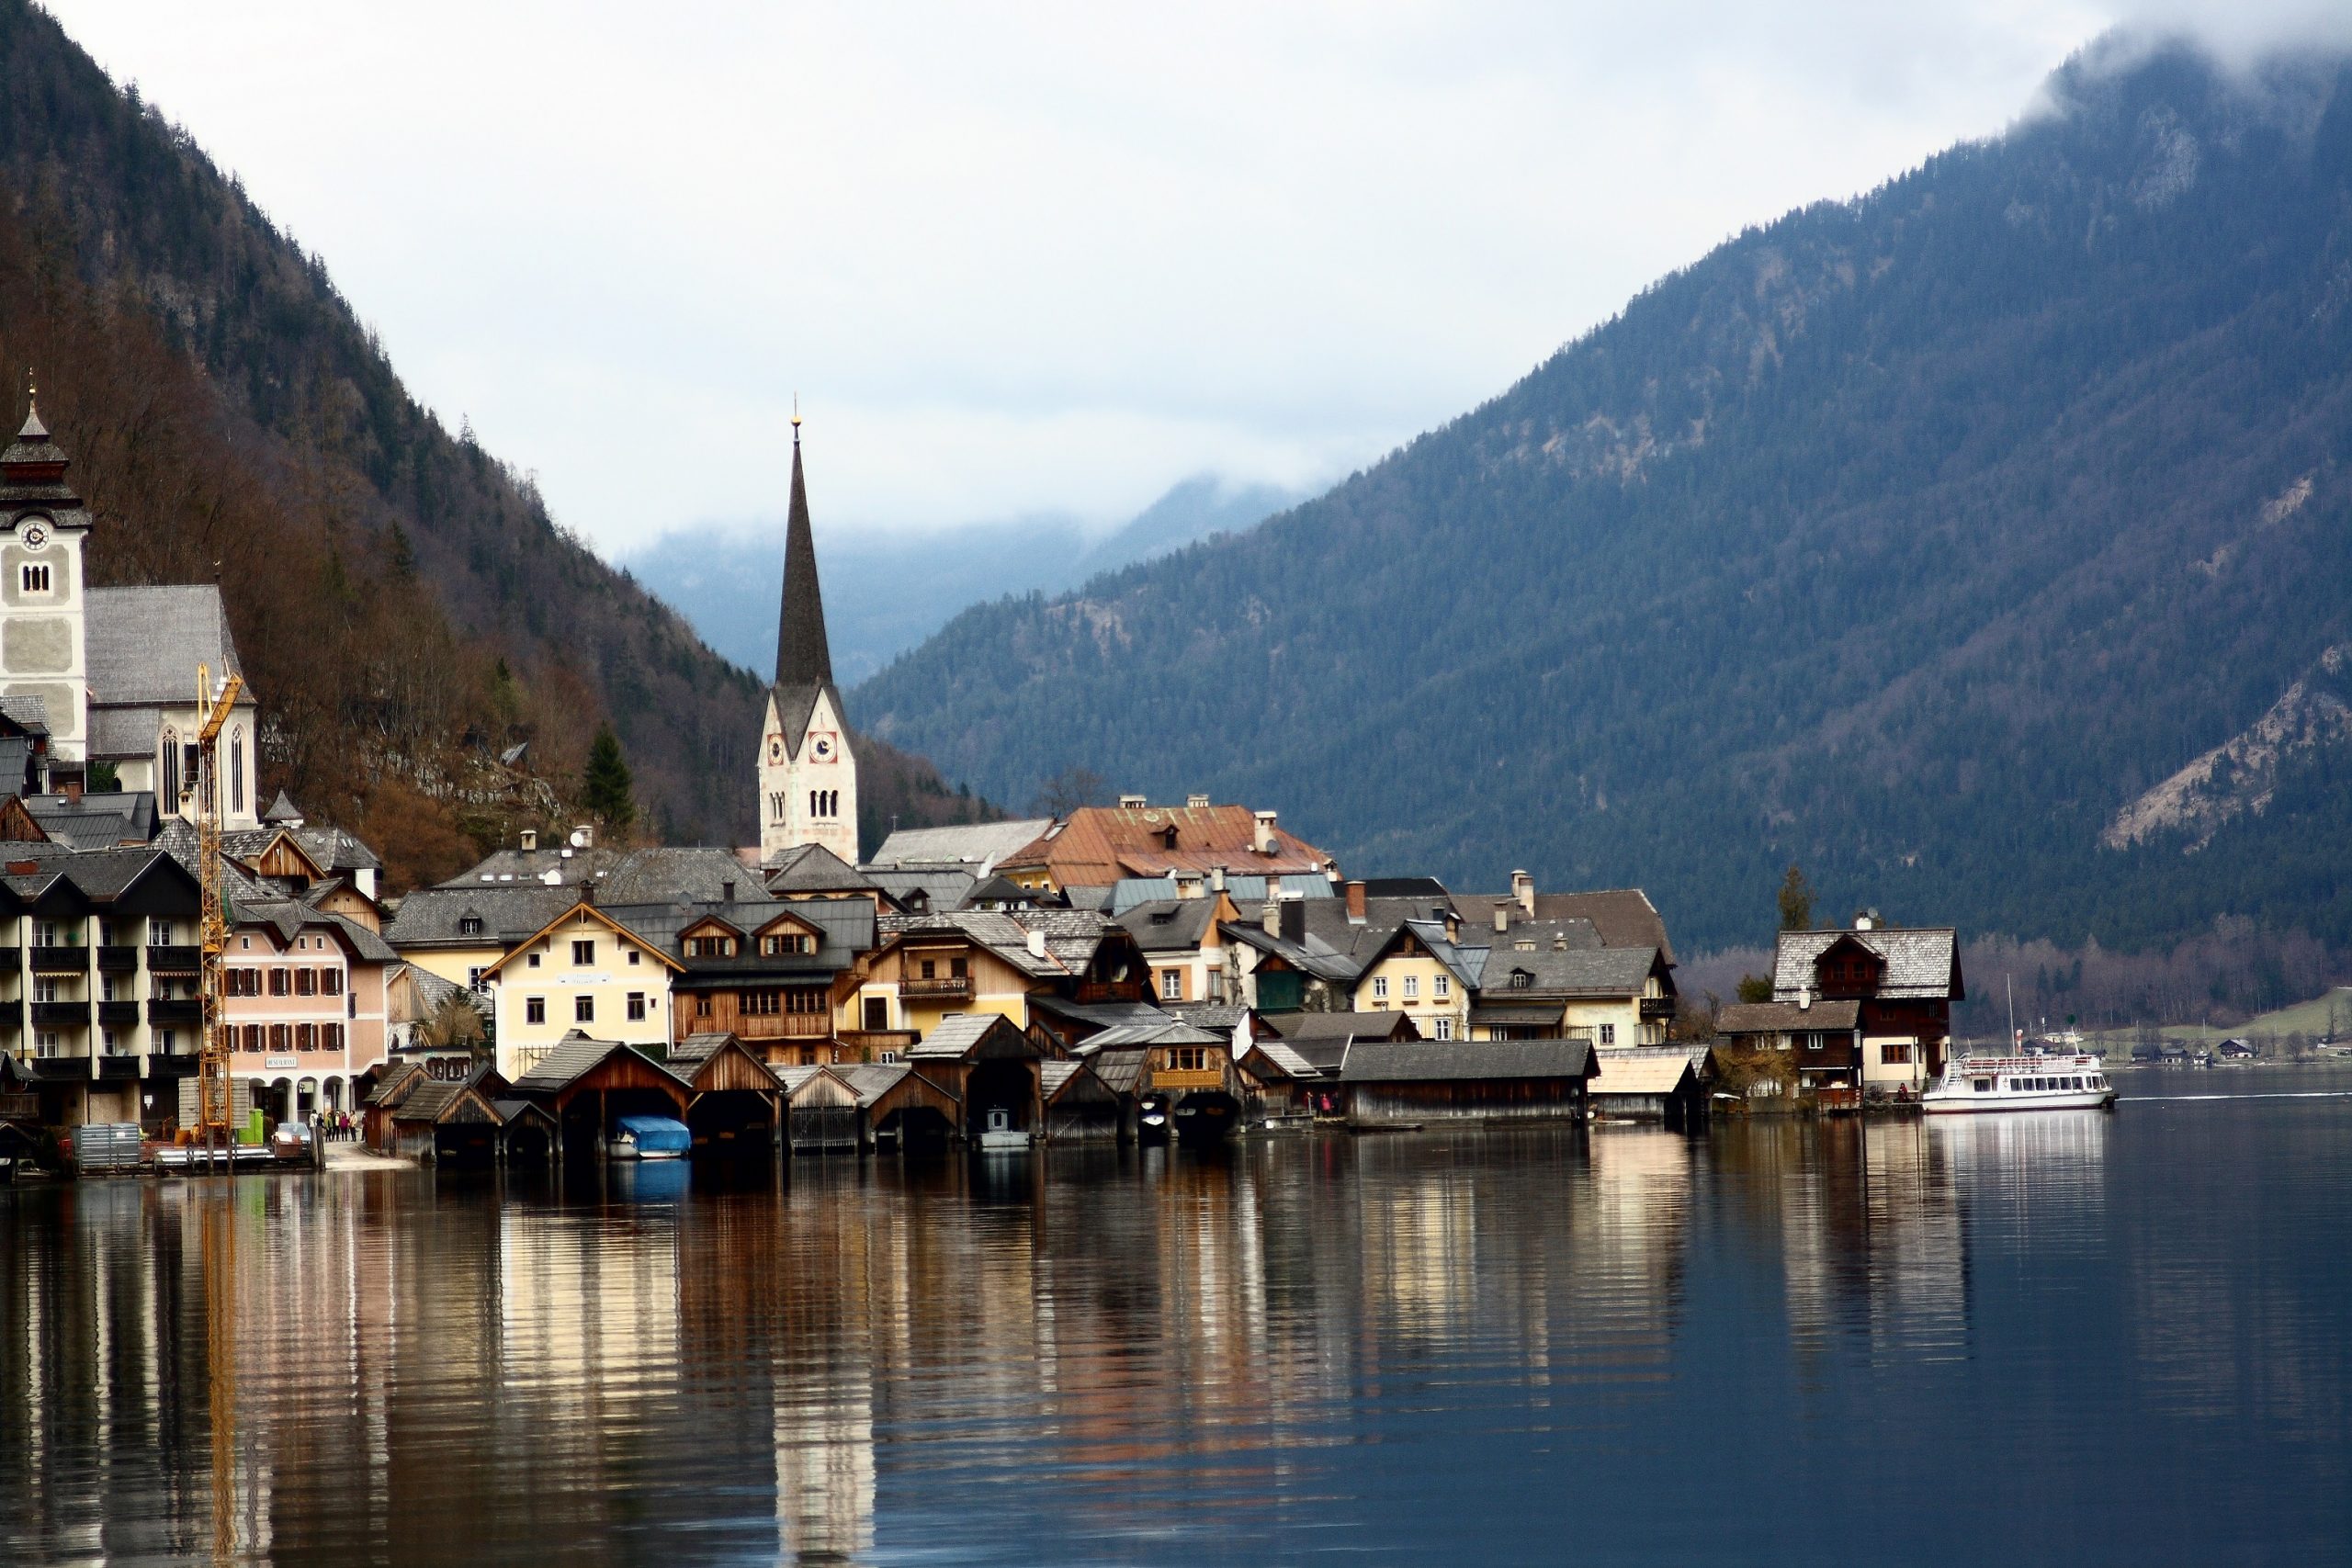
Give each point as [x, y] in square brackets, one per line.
[1796, 902]
[605, 789]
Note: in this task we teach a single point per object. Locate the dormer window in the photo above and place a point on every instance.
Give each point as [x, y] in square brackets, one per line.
[470, 925]
[1167, 835]
[33, 578]
[1520, 979]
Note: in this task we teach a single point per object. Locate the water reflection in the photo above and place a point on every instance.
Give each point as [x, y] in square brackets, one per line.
[1090, 1352]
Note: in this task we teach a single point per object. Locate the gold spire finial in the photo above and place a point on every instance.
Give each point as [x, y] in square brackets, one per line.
[796, 416]
[32, 392]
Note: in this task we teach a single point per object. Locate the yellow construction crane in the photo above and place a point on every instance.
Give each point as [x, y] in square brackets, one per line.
[202, 790]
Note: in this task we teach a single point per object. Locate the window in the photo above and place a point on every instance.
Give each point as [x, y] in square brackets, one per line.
[1443, 986]
[105, 988]
[36, 579]
[473, 977]
[330, 982]
[806, 1000]
[702, 1004]
[46, 1043]
[1172, 985]
[254, 1038]
[470, 925]
[110, 1043]
[1520, 979]
[1413, 988]
[159, 933]
[168, 770]
[930, 970]
[637, 1006]
[760, 1004]
[632, 955]
[1445, 1029]
[306, 981]
[584, 952]
[703, 947]
[775, 805]
[534, 1009]
[281, 982]
[531, 960]
[877, 1012]
[280, 1037]
[236, 769]
[1608, 1035]
[959, 968]
[168, 1042]
[330, 1037]
[1188, 1058]
[44, 990]
[1894, 1052]
[1380, 987]
[305, 1037]
[583, 1009]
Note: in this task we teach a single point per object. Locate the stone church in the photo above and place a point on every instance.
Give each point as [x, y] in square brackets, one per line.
[807, 769]
[106, 675]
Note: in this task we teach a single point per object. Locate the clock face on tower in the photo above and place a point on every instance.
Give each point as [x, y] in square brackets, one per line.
[775, 749]
[822, 746]
[34, 534]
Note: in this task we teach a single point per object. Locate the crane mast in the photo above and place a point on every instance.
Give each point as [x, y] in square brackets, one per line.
[202, 791]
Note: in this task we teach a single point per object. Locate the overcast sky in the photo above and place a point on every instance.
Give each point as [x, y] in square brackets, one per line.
[1028, 258]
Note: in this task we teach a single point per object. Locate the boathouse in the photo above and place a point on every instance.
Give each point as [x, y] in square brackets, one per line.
[902, 1106]
[1079, 1106]
[734, 1101]
[586, 1085]
[1277, 1083]
[449, 1125]
[822, 1112]
[1652, 1083]
[1399, 1083]
[992, 1067]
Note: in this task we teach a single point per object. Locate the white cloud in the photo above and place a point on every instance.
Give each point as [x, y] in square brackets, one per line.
[1030, 258]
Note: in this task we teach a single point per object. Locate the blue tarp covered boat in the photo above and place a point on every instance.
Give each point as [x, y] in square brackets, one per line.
[649, 1137]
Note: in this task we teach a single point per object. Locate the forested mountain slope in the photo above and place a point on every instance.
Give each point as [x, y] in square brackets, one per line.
[394, 589]
[1915, 538]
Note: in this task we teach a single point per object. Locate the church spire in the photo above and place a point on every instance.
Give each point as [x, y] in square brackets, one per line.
[801, 655]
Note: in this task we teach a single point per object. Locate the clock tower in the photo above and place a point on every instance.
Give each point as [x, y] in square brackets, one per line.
[43, 642]
[807, 771]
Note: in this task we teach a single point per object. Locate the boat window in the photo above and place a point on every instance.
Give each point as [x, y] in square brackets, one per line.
[1982, 1086]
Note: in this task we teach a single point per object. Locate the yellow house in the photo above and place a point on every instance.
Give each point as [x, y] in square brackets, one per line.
[927, 967]
[1606, 997]
[585, 971]
[1418, 972]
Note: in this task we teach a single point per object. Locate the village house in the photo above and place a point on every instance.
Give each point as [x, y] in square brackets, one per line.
[581, 971]
[1087, 854]
[1821, 1039]
[925, 967]
[763, 970]
[1902, 981]
[304, 1008]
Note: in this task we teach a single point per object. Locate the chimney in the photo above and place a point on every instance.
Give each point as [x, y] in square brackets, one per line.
[1187, 885]
[1805, 999]
[1216, 879]
[1295, 920]
[1452, 926]
[1355, 903]
[726, 892]
[1037, 943]
[1502, 914]
[1271, 916]
[1197, 802]
[587, 890]
[530, 841]
[1133, 802]
[584, 836]
[1262, 837]
[1866, 921]
[1560, 942]
[1522, 890]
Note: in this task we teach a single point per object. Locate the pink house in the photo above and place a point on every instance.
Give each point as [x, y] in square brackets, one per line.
[305, 1005]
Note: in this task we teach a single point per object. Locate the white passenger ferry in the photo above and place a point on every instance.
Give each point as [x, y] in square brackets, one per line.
[2072, 1082]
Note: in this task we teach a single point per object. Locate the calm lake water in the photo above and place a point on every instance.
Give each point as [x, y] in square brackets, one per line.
[2056, 1337]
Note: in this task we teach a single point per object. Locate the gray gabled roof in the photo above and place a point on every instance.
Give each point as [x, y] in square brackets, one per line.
[943, 888]
[1458, 1061]
[570, 1058]
[143, 644]
[1922, 962]
[975, 847]
[812, 868]
[1283, 1057]
[958, 1035]
[433, 916]
[1785, 1017]
[1171, 925]
[290, 916]
[1595, 972]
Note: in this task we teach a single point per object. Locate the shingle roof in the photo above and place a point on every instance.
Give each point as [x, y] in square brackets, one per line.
[290, 916]
[432, 916]
[569, 1058]
[1595, 972]
[143, 644]
[1624, 917]
[812, 868]
[1922, 962]
[1120, 1070]
[1295, 1027]
[1174, 925]
[1455, 1061]
[871, 1080]
[956, 1036]
[801, 654]
[1283, 1058]
[943, 889]
[1784, 1018]
[974, 846]
[687, 1055]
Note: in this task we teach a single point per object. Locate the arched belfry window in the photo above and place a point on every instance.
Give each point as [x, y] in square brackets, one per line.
[236, 770]
[169, 770]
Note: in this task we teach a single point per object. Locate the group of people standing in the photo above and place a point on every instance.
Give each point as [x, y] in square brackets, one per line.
[334, 1127]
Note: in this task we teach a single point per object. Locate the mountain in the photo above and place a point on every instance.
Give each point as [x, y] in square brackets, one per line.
[886, 593]
[403, 600]
[1914, 538]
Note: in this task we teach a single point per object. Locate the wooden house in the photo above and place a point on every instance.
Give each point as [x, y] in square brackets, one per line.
[1652, 1083]
[1902, 981]
[824, 1115]
[992, 1069]
[734, 1102]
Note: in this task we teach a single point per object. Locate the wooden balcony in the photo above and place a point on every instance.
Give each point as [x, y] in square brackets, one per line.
[169, 1010]
[1172, 1079]
[786, 1026]
[952, 988]
[173, 960]
[119, 1015]
[60, 1015]
[1656, 1008]
[870, 1043]
[60, 961]
[117, 961]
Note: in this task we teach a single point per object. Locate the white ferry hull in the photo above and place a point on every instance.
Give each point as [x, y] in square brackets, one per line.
[1979, 1086]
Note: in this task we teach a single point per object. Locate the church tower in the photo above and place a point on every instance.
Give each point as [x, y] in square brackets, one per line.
[807, 772]
[43, 641]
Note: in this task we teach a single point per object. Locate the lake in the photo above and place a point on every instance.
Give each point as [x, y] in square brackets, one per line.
[2056, 1337]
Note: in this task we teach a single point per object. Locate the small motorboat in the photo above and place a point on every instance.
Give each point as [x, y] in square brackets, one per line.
[649, 1137]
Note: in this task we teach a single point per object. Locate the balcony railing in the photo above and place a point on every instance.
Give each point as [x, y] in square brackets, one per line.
[954, 987]
[173, 960]
[175, 1011]
[60, 1015]
[60, 960]
[117, 961]
[1655, 1007]
[12, 960]
[786, 1026]
[1170, 1078]
[118, 1013]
